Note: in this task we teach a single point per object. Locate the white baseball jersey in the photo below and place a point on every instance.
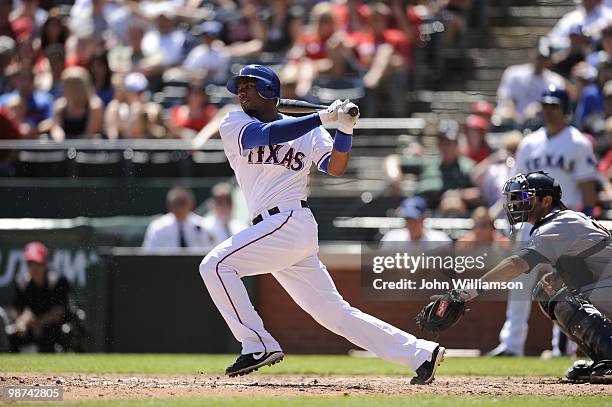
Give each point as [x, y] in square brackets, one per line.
[567, 157]
[273, 174]
[285, 245]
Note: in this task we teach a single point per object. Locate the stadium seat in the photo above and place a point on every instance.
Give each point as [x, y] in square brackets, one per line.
[99, 164]
[326, 90]
[42, 164]
[210, 164]
[158, 164]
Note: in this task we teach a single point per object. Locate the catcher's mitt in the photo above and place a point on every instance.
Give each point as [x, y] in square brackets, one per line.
[441, 314]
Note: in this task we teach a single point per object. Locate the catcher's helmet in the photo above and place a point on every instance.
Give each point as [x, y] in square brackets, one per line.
[555, 95]
[268, 84]
[521, 190]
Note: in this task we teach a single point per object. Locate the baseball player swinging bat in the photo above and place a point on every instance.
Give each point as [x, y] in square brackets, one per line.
[272, 157]
[292, 106]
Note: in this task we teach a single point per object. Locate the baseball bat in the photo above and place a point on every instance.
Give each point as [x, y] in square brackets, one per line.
[292, 106]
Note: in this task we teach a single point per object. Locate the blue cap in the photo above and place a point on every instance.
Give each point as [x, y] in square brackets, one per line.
[556, 95]
[412, 208]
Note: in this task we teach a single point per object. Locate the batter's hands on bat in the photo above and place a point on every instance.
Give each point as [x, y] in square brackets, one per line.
[346, 122]
[331, 113]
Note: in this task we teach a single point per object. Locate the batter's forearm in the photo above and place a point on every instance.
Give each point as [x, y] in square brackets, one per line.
[337, 163]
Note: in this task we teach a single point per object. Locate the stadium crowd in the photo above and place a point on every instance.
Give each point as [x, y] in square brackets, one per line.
[556, 111]
[142, 69]
[573, 59]
[123, 69]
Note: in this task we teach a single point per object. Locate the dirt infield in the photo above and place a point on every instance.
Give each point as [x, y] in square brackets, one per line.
[91, 387]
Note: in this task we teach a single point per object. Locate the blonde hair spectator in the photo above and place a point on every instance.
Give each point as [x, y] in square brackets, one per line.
[79, 113]
[77, 84]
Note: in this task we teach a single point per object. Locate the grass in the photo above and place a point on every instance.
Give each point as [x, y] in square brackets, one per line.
[350, 401]
[293, 364]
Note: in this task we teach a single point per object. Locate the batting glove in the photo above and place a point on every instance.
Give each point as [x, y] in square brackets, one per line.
[346, 122]
[331, 113]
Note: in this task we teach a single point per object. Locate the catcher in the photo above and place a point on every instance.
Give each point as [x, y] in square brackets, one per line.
[577, 295]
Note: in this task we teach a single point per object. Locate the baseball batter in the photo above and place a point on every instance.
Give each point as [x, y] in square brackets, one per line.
[271, 156]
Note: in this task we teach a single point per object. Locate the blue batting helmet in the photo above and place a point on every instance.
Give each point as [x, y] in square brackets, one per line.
[555, 95]
[268, 84]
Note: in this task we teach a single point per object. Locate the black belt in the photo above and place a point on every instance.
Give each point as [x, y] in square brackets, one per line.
[274, 211]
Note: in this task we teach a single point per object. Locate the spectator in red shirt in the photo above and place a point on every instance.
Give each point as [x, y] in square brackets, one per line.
[319, 51]
[186, 120]
[385, 54]
[81, 46]
[351, 16]
[476, 130]
[29, 11]
[313, 43]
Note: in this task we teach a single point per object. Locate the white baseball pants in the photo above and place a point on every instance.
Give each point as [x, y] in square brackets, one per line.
[286, 246]
[514, 332]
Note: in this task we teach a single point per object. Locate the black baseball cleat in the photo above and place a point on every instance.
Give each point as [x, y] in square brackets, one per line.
[250, 362]
[601, 372]
[425, 372]
[580, 371]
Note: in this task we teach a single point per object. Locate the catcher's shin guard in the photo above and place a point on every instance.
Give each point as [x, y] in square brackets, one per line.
[582, 322]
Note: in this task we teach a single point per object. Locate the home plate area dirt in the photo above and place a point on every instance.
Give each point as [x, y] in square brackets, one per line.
[78, 386]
